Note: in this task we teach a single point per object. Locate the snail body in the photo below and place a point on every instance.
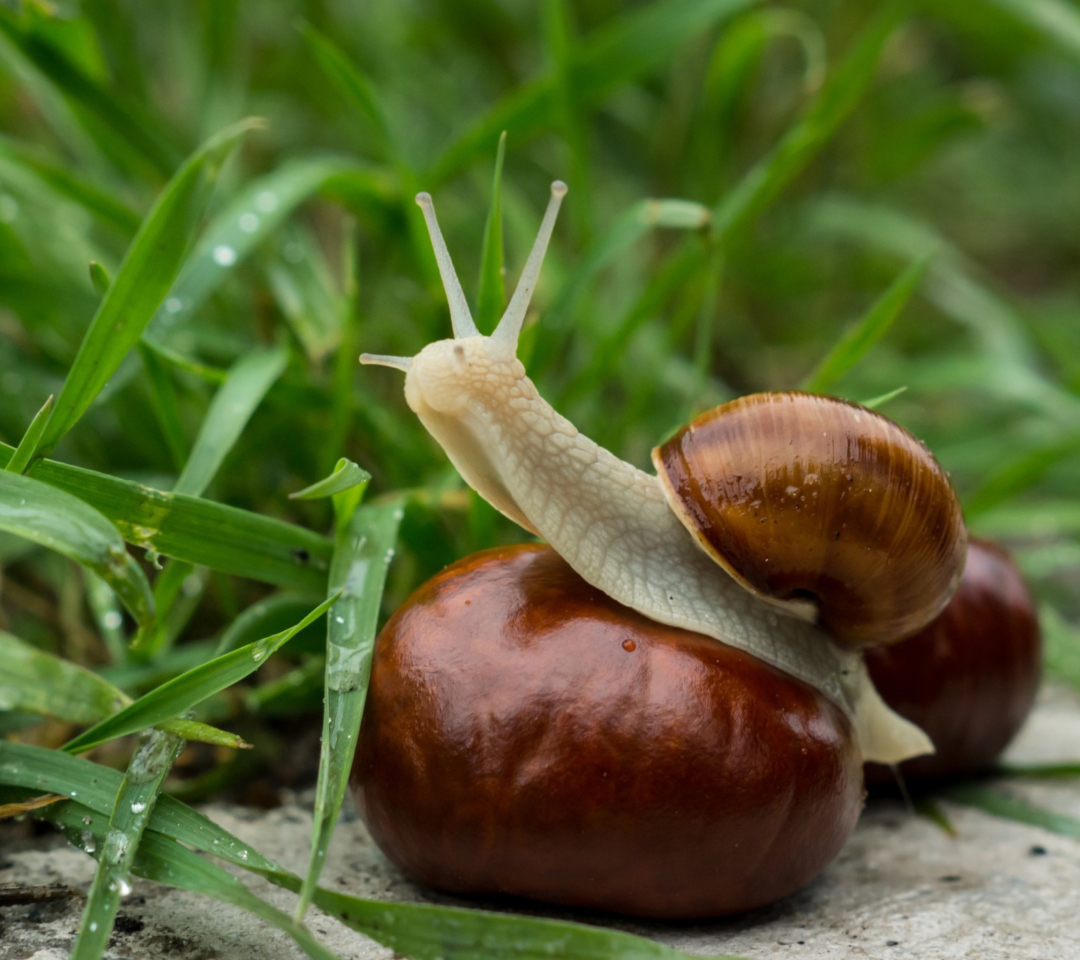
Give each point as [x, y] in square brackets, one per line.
[613, 523]
[525, 734]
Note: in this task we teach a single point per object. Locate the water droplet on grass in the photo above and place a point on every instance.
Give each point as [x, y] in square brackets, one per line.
[249, 222]
[224, 256]
[266, 201]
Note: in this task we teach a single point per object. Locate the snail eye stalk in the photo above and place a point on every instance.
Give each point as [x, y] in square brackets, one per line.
[460, 317]
[381, 360]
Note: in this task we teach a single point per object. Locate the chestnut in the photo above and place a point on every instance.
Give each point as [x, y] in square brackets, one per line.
[969, 678]
[527, 735]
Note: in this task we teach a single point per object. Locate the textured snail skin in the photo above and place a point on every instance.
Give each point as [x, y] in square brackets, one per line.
[970, 677]
[808, 497]
[526, 735]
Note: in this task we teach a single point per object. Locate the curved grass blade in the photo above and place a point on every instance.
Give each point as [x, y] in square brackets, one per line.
[875, 323]
[162, 859]
[271, 614]
[365, 546]
[424, 932]
[1019, 474]
[199, 531]
[1002, 805]
[165, 402]
[95, 786]
[64, 523]
[130, 814]
[491, 299]
[416, 930]
[247, 383]
[879, 401]
[602, 61]
[175, 697]
[243, 224]
[148, 270]
[843, 89]
[346, 475]
[34, 681]
[28, 445]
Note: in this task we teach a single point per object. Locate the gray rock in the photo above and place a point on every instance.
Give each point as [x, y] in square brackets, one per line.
[901, 888]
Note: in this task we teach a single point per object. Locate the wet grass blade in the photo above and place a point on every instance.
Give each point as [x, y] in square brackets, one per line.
[491, 299]
[603, 61]
[162, 859]
[66, 524]
[415, 930]
[246, 222]
[34, 681]
[196, 530]
[175, 697]
[134, 803]
[424, 932]
[860, 339]
[248, 382]
[27, 447]
[346, 475]
[1002, 805]
[364, 548]
[148, 270]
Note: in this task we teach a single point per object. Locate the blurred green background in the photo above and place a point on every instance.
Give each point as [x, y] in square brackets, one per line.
[822, 149]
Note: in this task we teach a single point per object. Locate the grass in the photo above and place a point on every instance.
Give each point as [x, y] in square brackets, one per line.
[877, 200]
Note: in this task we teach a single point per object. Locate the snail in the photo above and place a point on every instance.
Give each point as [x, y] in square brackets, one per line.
[525, 734]
[969, 678]
[833, 512]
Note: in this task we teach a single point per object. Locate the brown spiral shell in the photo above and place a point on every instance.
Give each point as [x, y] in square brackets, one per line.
[803, 497]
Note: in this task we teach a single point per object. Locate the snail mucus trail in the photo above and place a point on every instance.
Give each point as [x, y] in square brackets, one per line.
[609, 520]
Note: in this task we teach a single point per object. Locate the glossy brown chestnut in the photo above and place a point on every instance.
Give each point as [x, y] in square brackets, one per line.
[969, 678]
[527, 735]
[803, 497]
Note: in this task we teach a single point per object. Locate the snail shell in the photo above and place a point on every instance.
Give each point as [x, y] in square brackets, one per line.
[809, 498]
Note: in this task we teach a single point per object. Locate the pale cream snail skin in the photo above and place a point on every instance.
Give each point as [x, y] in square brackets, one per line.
[617, 527]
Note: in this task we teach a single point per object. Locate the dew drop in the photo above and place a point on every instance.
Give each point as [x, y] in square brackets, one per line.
[628, 645]
[224, 256]
[138, 807]
[266, 201]
[125, 888]
[249, 222]
[174, 305]
[112, 620]
[93, 927]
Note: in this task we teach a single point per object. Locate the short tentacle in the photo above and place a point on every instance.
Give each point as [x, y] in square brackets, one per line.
[460, 316]
[509, 329]
[382, 360]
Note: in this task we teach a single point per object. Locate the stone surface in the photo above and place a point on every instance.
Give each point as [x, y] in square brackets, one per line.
[901, 888]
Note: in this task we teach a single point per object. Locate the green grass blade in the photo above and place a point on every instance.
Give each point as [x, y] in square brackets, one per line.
[162, 859]
[248, 382]
[491, 299]
[1045, 518]
[612, 55]
[34, 681]
[18, 157]
[1039, 771]
[1056, 20]
[99, 278]
[361, 556]
[1002, 805]
[415, 930]
[1019, 474]
[38, 682]
[244, 223]
[196, 530]
[270, 615]
[166, 403]
[763, 183]
[27, 447]
[66, 524]
[304, 290]
[177, 696]
[108, 616]
[137, 128]
[95, 786]
[346, 475]
[134, 803]
[883, 398]
[148, 270]
[424, 932]
[860, 339]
